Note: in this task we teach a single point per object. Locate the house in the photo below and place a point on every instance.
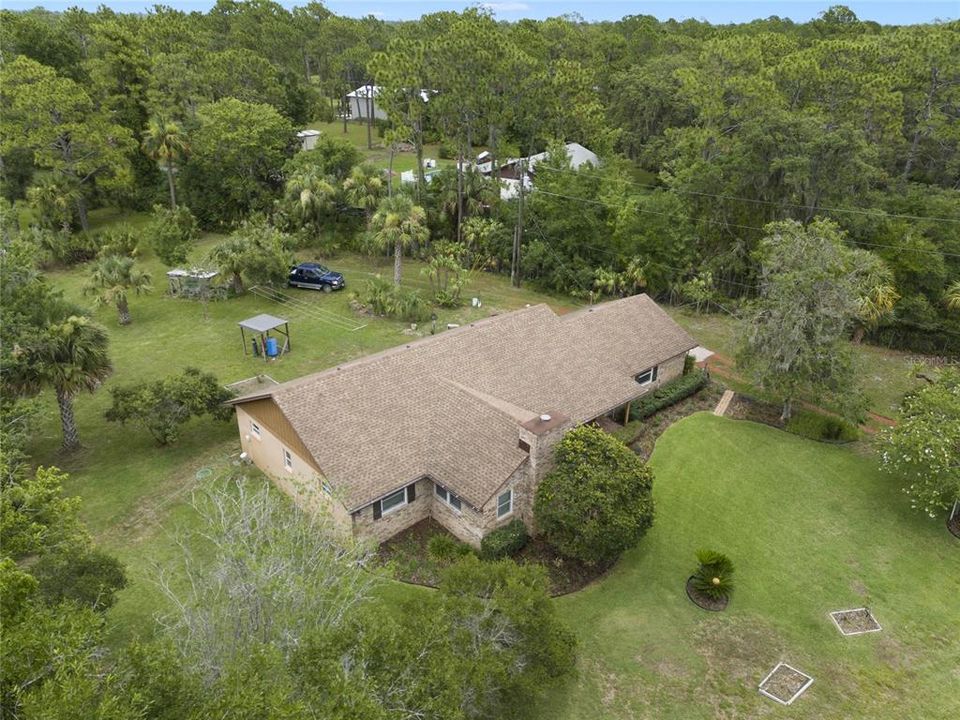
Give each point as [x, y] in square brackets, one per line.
[510, 170]
[363, 101]
[459, 426]
[308, 139]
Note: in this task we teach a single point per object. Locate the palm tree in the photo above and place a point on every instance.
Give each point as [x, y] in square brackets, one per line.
[230, 257]
[67, 356]
[876, 293]
[364, 188]
[165, 141]
[112, 279]
[54, 203]
[399, 223]
[311, 197]
[952, 297]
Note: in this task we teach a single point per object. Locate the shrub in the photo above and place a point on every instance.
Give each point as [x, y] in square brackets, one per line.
[120, 241]
[821, 427]
[504, 541]
[65, 248]
[689, 364]
[597, 501]
[384, 298]
[445, 152]
[171, 234]
[446, 548]
[667, 394]
[164, 405]
[712, 577]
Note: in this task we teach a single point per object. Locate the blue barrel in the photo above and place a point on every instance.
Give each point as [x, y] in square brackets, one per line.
[271, 347]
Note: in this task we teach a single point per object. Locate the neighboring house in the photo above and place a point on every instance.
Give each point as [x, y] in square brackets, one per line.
[510, 171]
[363, 101]
[308, 139]
[459, 426]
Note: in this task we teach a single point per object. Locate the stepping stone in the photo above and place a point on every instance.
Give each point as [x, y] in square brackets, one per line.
[724, 403]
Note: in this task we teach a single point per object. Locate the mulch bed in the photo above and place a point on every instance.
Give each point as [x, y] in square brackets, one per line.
[744, 407]
[855, 622]
[654, 426]
[409, 560]
[784, 684]
[707, 603]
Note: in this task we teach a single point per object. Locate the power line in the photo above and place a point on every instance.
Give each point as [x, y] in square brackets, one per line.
[880, 214]
[941, 253]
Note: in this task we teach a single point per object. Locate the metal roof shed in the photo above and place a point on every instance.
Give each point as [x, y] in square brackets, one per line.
[262, 325]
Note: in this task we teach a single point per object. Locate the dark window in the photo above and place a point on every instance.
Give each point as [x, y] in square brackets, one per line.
[524, 445]
[411, 492]
[377, 510]
[647, 376]
[454, 502]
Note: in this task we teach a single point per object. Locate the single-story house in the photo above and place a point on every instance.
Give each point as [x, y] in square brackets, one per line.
[459, 426]
[510, 170]
[358, 103]
[308, 139]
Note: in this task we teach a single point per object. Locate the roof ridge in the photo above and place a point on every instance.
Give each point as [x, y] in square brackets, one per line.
[514, 412]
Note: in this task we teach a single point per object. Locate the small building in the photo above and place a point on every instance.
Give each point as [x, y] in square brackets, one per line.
[308, 139]
[510, 171]
[195, 283]
[363, 101]
[458, 426]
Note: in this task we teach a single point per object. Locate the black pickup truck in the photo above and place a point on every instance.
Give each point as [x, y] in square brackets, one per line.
[314, 276]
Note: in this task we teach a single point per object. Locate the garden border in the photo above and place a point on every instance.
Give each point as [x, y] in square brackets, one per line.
[797, 694]
[833, 616]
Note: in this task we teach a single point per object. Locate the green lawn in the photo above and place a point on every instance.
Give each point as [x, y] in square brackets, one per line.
[134, 492]
[811, 528]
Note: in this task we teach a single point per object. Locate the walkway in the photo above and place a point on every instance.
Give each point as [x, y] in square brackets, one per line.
[724, 403]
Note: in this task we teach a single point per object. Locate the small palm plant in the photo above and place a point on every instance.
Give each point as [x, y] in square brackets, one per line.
[112, 279]
[712, 578]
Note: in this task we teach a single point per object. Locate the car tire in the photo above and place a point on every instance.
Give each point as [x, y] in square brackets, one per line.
[327, 288]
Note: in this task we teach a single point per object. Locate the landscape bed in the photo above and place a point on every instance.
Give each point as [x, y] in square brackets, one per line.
[785, 684]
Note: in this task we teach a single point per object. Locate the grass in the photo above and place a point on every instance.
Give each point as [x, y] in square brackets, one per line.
[811, 529]
[884, 374]
[134, 492]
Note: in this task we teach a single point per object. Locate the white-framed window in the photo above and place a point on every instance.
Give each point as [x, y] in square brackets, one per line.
[326, 487]
[287, 460]
[647, 376]
[505, 504]
[448, 497]
[393, 501]
[255, 430]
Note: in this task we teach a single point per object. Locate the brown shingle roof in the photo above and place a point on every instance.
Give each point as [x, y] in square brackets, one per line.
[450, 406]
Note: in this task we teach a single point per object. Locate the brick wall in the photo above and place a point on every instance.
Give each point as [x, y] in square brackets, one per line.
[393, 522]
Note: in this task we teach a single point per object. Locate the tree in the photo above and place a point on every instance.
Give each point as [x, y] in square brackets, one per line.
[257, 250]
[923, 449]
[311, 198]
[364, 188]
[67, 134]
[237, 153]
[164, 405]
[795, 332]
[166, 142]
[876, 296]
[68, 356]
[952, 297]
[172, 234]
[112, 279]
[398, 223]
[597, 501]
[230, 258]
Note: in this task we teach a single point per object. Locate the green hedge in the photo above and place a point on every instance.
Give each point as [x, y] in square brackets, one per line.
[668, 394]
[509, 539]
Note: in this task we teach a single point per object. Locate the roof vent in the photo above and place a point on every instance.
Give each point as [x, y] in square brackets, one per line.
[544, 418]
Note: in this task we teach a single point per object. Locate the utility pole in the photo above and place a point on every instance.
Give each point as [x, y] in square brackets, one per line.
[518, 232]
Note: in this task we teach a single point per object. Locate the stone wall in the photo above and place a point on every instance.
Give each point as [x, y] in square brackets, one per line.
[400, 518]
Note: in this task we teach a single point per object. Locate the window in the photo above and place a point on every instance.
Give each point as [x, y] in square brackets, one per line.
[287, 460]
[448, 497]
[505, 504]
[393, 501]
[326, 488]
[524, 445]
[647, 376]
[255, 430]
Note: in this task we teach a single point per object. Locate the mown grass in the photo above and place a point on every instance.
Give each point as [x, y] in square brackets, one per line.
[811, 528]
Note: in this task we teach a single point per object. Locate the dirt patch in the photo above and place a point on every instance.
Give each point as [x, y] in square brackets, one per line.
[704, 601]
[744, 407]
[406, 555]
[785, 684]
[855, 622]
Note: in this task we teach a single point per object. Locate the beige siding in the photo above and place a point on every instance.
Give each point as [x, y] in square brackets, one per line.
[302, 481]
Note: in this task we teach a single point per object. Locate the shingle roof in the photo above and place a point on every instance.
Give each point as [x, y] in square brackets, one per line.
[449, 406]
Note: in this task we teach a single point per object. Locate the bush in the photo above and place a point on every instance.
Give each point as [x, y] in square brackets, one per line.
[171, 234]
[668, 394]
[597, 501]
[120, 241]
[504, 541]
[689, 364]
[63, 248]
[713, 576]
[384, 298]
[822, 427]
[445, 152]
[446, 548]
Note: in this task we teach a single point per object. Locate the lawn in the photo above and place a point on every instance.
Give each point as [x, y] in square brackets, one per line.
[134, 492]
[811, 529]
